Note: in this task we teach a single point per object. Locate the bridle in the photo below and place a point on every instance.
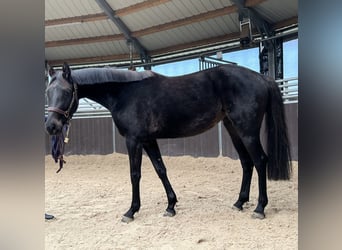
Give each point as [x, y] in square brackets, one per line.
[74, 99]
[63, 137]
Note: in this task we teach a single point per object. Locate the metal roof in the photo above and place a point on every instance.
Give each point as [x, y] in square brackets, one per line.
[80, 31]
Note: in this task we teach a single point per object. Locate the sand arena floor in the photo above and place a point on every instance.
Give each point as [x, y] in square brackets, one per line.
[90, 195]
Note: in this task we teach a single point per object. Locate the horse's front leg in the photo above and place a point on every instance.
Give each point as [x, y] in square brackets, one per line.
[135, 154]
[153, 152]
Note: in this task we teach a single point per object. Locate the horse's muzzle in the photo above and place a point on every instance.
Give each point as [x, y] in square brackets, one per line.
[53, 126]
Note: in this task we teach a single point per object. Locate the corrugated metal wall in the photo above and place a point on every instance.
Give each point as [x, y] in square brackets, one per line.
[88, 136]
[97, 136]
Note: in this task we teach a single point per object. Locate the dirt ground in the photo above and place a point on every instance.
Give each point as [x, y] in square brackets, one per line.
[91, 193]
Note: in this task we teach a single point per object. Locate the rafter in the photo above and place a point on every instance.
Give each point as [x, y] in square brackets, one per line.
[199, 43]
[102, 16]
[287, 22]
[86, 40]
[162, 27]
[204, 42]
[180, 47]
[77, 19]
[144, 54]
[185, 21]
[139, 6]
[95, 59]
[193, 19]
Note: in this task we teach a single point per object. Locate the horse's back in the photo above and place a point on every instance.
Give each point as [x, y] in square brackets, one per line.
[169, 107]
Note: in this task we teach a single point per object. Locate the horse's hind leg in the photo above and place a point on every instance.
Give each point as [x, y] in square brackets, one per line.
[153, 152]
[248, 131]
[259, 157]
[246, 163]
[134, 149]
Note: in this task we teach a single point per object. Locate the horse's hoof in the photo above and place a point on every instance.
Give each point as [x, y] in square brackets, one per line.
[236, 208]
[169, 214]
[126, 219]
[256, 215]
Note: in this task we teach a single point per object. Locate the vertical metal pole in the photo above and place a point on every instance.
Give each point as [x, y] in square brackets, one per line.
[114, 148]
[271, 60]
[279, 58]
[130, 45]
[220, 138]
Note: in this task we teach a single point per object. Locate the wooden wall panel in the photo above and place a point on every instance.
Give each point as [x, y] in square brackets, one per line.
[88, 136]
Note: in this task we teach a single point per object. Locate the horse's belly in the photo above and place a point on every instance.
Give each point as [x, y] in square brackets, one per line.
[183, 126]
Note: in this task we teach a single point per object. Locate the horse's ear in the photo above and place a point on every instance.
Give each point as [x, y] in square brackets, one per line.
[66, 72]
[49, 69]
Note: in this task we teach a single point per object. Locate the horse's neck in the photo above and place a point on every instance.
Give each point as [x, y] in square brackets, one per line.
[104, 94]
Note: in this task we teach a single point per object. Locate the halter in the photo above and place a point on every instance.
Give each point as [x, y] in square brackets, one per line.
[67, 112]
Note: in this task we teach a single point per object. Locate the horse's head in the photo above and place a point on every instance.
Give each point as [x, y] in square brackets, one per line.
[62, 99]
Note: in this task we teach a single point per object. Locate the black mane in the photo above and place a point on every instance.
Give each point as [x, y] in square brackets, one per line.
[105, 75]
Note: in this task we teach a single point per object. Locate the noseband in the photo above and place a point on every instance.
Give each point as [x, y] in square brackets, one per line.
[66, 113]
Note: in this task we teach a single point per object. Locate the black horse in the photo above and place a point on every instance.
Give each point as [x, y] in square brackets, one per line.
[146, 106]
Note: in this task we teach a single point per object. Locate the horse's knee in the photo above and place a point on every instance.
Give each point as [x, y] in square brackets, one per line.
[135, 177]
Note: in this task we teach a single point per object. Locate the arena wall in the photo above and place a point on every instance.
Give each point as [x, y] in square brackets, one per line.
[99, 136]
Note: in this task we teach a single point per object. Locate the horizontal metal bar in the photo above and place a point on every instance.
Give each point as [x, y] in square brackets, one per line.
[287, 79]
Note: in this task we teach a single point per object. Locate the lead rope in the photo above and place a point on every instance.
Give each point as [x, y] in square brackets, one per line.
[58, 144]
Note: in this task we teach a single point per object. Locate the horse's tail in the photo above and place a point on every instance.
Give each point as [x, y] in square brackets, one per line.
[278, 147]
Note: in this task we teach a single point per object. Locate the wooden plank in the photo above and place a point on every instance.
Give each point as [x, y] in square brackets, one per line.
[139, 33]
[121, 57]
[85, 40]
[90, 136]
[109, 58]
[77, 19]
[102, 16]
[139, 6]
[199, 43]
[185, 21]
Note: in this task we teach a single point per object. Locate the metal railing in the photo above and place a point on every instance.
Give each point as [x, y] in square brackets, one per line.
[88, 109]
[211, 62]
[289, 89]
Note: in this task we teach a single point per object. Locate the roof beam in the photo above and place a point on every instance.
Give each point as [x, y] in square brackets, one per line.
[86, 40]
[193, 19]
[77, 19]
[140, 6]
[147, 31]
[185, 21]
[124, 29]
[95, 59]
[102, 16]
[157, 28]
[200, 43]
[175, 48]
